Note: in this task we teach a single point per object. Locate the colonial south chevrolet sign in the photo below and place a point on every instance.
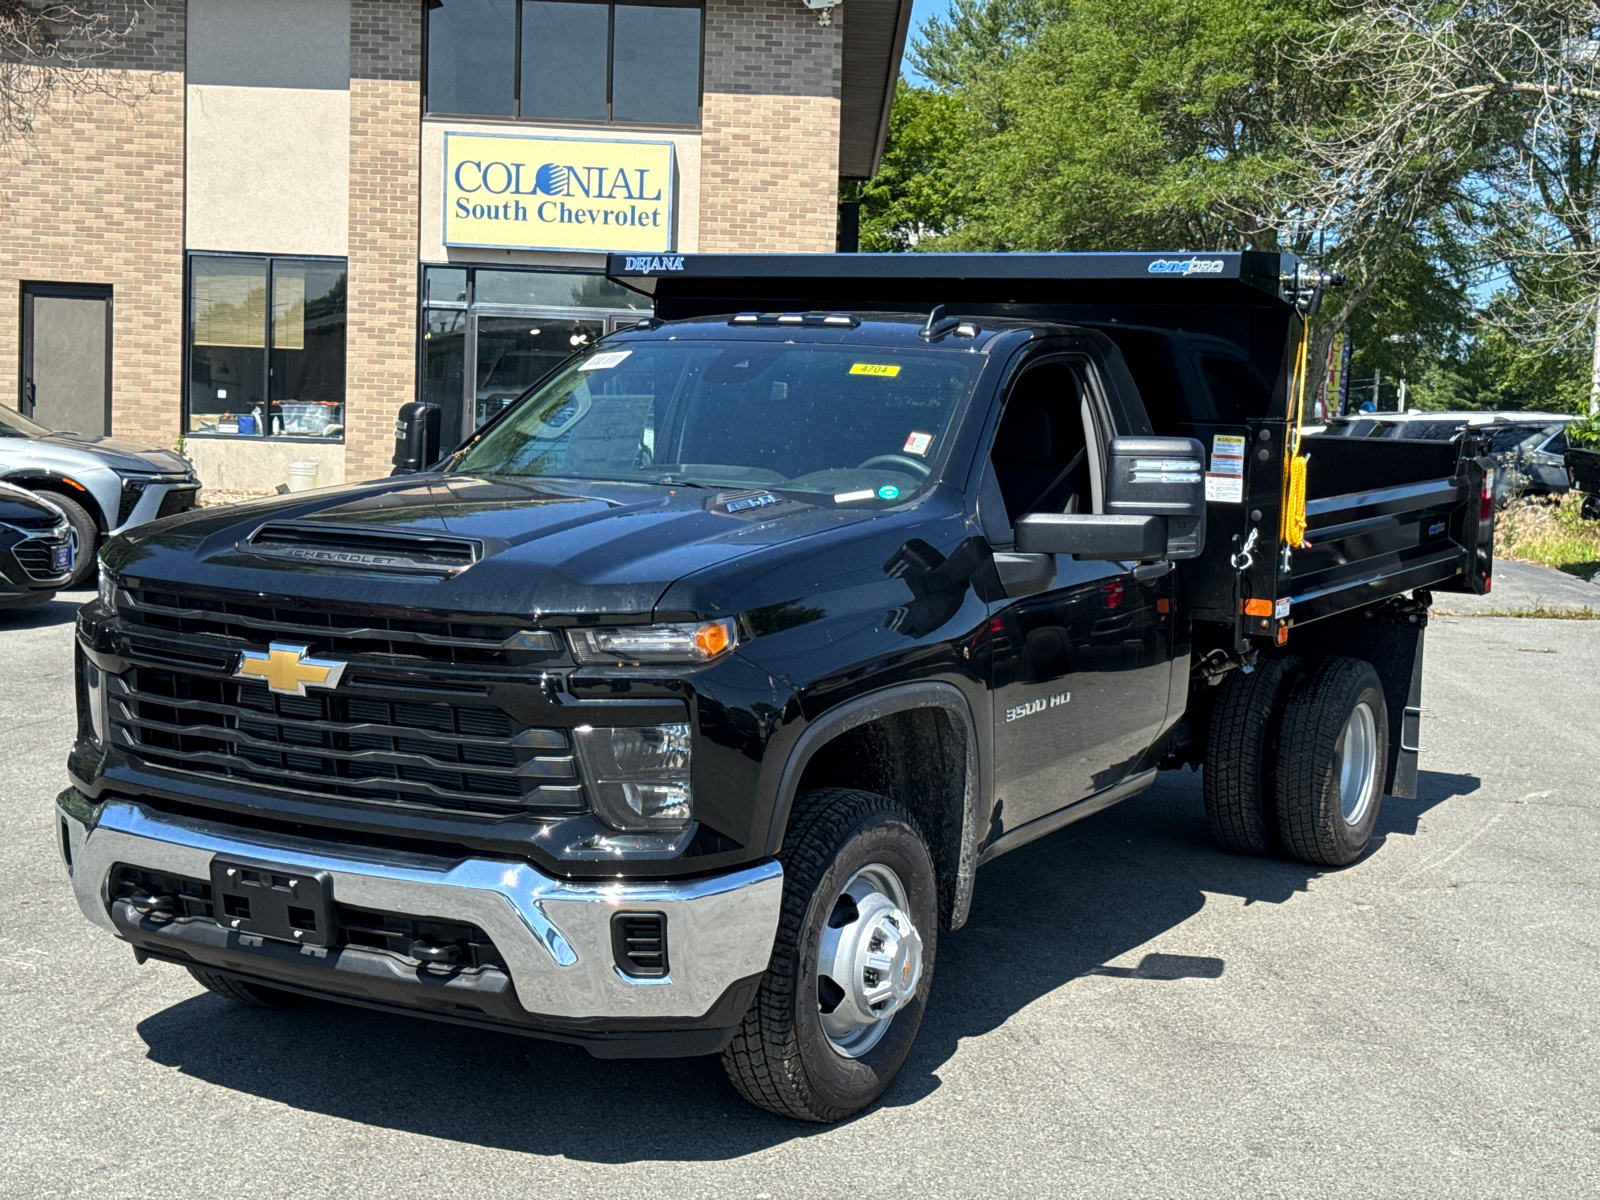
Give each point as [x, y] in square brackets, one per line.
[536, 193]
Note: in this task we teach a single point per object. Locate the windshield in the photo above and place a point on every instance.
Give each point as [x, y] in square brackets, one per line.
[14, 424]
[850, 424]
[1514, 437]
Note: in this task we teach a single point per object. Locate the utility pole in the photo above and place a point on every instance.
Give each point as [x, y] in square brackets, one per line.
[1594, 369]
[1377, 379]
[1401, 406]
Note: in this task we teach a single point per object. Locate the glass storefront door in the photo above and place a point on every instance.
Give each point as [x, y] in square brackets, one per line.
[444, 359]
[516, 351]
[488, 335]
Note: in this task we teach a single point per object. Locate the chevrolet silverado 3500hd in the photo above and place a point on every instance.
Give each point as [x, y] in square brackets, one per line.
[673, 711]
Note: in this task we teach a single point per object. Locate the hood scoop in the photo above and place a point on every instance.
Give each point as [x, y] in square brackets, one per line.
[365, 549]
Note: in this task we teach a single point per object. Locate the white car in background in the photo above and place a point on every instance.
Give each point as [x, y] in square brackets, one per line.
[103, 484]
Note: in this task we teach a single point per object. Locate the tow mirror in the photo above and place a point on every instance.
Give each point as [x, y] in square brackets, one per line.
[1093, 535]
[1160, 477]
[416, 438]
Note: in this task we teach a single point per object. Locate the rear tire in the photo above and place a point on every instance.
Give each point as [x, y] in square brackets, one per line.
[1333, 758]
[1238, 778]
[800, 1052]
[83, 567]
[251, 995]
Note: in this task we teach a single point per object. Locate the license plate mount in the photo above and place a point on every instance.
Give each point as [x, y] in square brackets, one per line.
[273, 900]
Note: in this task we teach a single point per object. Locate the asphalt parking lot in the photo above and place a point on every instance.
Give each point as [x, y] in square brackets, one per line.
[1130, 1011]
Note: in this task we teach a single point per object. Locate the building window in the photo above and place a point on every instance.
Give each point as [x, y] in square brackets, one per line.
[629, 62]
[266, 347]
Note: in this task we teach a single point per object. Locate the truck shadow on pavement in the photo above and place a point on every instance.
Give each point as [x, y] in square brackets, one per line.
[1064, 907]
[62, 609]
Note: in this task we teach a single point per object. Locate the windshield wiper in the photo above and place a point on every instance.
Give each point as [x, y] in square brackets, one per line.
[671, 480]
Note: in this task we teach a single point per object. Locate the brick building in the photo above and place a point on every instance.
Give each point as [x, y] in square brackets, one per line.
[282, 219]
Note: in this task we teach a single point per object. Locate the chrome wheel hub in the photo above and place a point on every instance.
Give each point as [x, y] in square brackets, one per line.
[869, 961]
[1358, 764]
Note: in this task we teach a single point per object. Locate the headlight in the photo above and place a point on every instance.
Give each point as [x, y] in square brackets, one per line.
[637, 777]
[94, 685]
[108, 590]
[688, 643]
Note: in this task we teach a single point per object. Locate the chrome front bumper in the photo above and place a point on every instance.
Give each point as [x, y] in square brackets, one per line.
[554, 934]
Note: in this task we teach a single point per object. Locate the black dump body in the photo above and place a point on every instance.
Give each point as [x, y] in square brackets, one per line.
[1210, 341]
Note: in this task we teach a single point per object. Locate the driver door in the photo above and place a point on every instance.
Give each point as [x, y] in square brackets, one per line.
[1081, 669]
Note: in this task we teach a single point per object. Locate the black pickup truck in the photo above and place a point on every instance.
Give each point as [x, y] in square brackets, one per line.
[674, 711]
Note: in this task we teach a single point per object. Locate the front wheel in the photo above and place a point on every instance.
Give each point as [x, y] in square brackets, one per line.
[845, 991]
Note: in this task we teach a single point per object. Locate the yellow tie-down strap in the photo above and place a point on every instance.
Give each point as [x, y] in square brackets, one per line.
[1294, 482]
[1294, 508]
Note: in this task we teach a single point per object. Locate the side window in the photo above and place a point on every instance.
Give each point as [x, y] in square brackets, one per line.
[1041, 459]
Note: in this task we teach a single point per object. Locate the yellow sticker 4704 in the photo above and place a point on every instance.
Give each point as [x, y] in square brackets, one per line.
[889, 369]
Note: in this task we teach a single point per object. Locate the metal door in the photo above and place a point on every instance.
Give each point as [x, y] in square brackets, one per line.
[66, 356]
[1081, 670]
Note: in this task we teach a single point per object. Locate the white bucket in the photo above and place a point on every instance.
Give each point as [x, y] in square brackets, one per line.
[302, 476]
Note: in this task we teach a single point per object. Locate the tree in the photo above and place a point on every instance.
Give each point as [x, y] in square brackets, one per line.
[56, 51]
[915, 195]
[1485, 116]
[964, 50]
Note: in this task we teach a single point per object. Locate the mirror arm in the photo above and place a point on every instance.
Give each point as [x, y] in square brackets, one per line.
[1024, 574]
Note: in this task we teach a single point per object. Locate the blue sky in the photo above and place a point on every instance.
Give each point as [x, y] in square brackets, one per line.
[921, 10]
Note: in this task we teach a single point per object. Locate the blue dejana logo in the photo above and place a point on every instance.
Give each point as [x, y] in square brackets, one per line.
[552, 179]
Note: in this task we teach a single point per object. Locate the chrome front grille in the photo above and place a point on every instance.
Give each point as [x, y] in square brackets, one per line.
[36, 555]
[439, 755]
[250, 623]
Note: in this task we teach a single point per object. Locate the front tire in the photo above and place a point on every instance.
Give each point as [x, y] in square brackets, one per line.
[83, 567]
[860, 900]
[1333, 757]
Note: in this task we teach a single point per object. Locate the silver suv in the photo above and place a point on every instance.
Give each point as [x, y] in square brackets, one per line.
[104, 485]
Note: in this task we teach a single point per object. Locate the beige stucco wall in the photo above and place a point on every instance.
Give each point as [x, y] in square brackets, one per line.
[241, 465]
[686, 156]
[269, 170]
[268, 138]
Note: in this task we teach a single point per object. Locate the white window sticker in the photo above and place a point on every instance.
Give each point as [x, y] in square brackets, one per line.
[847, 497]
[600, 362]
[918, 443]
[1224, 489]
[1227, 455]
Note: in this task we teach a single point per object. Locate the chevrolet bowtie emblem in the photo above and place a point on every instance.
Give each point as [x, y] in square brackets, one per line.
[287, 670]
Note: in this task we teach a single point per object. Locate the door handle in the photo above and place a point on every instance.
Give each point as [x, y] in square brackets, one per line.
[1155, 570]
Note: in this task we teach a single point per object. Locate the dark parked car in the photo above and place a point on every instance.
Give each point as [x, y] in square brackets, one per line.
[37, 548]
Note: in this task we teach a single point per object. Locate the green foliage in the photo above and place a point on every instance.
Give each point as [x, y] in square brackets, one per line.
[916, 193]
[1585, 433]
[1136, 123]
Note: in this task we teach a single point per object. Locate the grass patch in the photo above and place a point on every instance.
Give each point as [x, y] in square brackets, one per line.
[1548, 530]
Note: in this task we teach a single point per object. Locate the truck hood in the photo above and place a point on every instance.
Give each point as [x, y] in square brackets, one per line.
[120, 454]
[541, 546]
